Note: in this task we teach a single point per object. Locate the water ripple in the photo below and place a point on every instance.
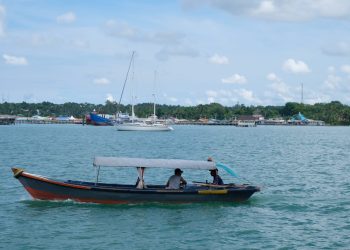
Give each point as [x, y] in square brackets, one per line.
[303, 204]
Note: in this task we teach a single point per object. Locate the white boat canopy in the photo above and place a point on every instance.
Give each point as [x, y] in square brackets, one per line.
[152, 163]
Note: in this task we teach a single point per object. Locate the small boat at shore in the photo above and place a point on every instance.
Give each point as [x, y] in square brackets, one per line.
[44, 188]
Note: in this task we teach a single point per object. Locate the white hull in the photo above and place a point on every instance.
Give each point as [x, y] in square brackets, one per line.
[246, 124]
[143, 127]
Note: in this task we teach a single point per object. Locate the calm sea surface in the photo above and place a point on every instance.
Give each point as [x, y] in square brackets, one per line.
[303, 172]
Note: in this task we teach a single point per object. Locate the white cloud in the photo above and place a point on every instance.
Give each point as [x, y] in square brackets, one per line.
[331, 69]
[109, 97]
[236, 78]
[15, 60]
[217, 59]
[247, 95]
[272, 77]
[317, 98]
[265, 7]
[225, 93]
[200, 101]
[188, 102]
[211, 99]
[297, 10]
[78, 43]
[224, 97]
[122, 29]
[170, 51]
[338, 49]
[345, 68]
[173, 43]
[332, 82]
[211, 93]
[228, 97]
[170, 98]
[173, 99]
[296, 67]
[2, 20]
[279, 88]
[68, 17]
[101, 81]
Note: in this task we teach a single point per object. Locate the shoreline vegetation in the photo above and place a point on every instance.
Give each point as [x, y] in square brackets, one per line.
[333, 113]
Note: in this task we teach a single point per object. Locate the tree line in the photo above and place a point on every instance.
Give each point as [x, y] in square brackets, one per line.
[333, 113]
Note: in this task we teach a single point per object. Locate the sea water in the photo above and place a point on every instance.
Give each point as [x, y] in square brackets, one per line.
[303, 173]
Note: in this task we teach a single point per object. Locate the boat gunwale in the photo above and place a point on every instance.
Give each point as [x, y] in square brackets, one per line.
[51, 181]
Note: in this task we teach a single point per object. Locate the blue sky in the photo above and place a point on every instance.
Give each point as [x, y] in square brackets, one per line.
[256, 52]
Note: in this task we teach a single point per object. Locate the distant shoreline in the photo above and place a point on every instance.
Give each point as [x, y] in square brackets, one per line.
[333, 113]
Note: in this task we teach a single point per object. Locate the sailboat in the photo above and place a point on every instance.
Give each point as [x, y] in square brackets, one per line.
[143, 126]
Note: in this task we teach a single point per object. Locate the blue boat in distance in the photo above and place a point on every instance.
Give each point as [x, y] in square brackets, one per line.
[97, 120]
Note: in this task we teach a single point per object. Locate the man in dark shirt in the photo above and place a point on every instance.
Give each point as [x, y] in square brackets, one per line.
[216, 178]
[214, 172]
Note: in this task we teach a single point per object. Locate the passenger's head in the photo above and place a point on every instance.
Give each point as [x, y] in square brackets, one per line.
[214, 172]
[178, 171]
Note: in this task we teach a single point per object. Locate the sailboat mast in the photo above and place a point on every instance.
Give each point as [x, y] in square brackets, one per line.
[126, 79]
[302, 93]
[133, 94]
[132, 110]
[154, 97]
[154, 109]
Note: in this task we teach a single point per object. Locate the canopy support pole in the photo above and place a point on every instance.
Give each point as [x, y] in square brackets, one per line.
[98, 173]
[140, 180]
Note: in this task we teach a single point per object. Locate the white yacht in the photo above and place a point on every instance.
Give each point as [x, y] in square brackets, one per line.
[146, 125]
[142, 126]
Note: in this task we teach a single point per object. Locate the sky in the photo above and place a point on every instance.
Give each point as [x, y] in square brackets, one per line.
[188, 52]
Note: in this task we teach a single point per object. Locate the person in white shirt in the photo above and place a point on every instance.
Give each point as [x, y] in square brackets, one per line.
[176, 181]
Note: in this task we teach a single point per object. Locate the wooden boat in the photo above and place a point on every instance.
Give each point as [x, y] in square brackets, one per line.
[43, 188]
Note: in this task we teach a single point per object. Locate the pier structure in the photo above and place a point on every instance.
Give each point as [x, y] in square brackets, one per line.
[30, 120]
[7, 119]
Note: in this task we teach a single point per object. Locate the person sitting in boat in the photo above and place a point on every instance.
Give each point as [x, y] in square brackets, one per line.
[176, 181]
[216, 177]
